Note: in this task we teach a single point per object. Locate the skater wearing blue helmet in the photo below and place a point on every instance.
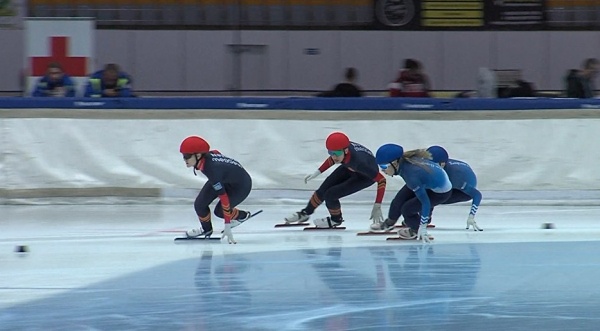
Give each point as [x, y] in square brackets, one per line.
[463, 179]
[427, 185]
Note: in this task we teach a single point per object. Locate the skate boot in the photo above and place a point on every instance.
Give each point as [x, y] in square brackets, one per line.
[297, 217]
[385, 226]
[237, 222]
[193, 233]
[327, 223]
[407, 234]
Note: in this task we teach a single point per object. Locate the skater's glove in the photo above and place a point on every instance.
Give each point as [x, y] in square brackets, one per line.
[311, 176]
[376, 214]
[471, 221]
[227, 233]
[422, 233]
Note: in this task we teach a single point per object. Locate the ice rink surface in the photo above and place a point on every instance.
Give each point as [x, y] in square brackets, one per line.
[116, 267]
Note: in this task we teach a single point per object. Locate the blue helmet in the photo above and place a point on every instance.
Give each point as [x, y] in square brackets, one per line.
[388, 153]
[438, 154]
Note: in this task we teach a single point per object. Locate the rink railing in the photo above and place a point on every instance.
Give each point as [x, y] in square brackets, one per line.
[299, 103]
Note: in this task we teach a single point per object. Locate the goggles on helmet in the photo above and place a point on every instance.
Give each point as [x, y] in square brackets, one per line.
[336, 153]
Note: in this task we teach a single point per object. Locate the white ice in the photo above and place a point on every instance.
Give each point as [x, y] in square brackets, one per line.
[74, 247]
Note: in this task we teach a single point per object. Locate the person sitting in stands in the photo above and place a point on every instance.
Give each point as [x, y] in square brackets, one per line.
[411, 81]
[109, 82]
[345, 89]
[580, 83]
[55, 83]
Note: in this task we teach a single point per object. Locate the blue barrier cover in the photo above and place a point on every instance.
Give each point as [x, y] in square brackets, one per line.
[295, 103]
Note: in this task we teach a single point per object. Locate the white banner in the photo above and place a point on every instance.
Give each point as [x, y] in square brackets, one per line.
[45, 153]
[67, 41]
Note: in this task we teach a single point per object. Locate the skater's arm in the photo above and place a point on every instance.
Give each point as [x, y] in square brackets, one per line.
[476, 195]
[326, 165]
[421, 194]
[381, 183]
[226, 207]
[224, 198]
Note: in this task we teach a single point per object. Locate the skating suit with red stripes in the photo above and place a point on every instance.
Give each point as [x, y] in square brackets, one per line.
[361, 160]
[222, 169]
[221, 172]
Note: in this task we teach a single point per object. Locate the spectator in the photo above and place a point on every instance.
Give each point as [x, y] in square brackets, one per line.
[109, 82]
[411, 81]
[580, 83]
[345, 89]
[523, 89]
[518, 89]
[487, 85]
[55, 83]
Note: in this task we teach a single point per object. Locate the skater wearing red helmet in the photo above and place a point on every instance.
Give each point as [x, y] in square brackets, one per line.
[227, 180]
[358, 170]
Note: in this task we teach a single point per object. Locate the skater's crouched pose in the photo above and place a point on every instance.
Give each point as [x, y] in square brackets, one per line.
[358, 170]
[227, 180]
[464, 182]
[427, 185]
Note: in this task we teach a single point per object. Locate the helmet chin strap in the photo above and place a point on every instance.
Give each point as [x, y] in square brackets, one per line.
[395, 169]
[197, 162]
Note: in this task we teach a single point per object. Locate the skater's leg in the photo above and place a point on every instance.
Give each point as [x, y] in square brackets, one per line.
[201, 205]
[411, 211]
[398, 202]
[457, 196]
[332, 196]
[337, 176]
[237, 194]
[395, 211]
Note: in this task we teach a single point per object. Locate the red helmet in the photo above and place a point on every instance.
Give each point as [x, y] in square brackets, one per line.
[193, 145]
[337, 141]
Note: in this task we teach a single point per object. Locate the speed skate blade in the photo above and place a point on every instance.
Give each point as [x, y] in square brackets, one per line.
[184, 239]
[255, 213]
[316, 228]
[287, 225]
[375, 233]
[402, 239]
[236, 223]
[400, 226]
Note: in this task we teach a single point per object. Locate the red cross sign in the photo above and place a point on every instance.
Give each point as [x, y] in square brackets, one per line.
[72, 65]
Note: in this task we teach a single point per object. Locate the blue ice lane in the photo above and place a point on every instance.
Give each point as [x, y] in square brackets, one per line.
[398, 286]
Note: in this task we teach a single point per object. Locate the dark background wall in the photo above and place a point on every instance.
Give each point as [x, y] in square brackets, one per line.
[189, 60]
